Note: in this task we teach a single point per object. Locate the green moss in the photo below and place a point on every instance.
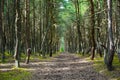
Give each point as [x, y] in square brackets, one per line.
[101, 67]
[81, 55]
[47, 57]
[33, 57]
[21, 73]
[119, 78]
[16, 74]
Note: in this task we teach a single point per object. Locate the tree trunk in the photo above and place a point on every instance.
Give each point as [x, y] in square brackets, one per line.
[1, 30]
[78, 24]
[17, 33]
[2, 35]
[105, 42]
[92, 30]
[27, 24]
[98, 29]
[110, 37]
[34, 34]
[28, 55]
[118, 26]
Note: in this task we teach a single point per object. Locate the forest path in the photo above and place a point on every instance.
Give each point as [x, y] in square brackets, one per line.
[65, 67]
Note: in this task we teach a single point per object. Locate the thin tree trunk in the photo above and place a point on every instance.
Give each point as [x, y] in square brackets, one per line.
[17, 33]
[1, 30]
[78, 24]
[98, 30]
[105, 39]
[118, 26]
[27, 24]
[2, 35]
[92, 30]
[34, 34]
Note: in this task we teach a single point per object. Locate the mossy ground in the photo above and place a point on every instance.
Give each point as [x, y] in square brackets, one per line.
[15, 74]
[9, 57]
[101, 67]
[20, 73]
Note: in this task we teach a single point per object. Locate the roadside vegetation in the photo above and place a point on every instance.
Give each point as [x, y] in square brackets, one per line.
[100, 67]
[15, 74]
[21, 73]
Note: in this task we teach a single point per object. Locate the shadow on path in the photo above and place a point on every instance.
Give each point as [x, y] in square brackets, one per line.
[63, 67]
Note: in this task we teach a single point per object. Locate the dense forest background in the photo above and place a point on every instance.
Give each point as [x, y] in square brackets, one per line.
[49, 26]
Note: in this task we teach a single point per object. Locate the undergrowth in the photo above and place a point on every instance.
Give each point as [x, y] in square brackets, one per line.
[15, 74]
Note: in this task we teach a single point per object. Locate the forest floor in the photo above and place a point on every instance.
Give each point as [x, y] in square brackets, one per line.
[66, 67]
[62, 67]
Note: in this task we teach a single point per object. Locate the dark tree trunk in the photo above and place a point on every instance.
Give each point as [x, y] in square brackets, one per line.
[28, 55]
[34, 34]
[92, 30]
[78, 24]
[98, 29]
[2, 34]
[1, 30]
[27, 24]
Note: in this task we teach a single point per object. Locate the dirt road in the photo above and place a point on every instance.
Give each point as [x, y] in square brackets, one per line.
[65, 67]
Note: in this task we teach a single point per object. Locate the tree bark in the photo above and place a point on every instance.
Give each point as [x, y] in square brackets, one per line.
[2, 34]
[98, 29]
[34, 33]
[1, 30]
[92, 30]
[27, 24]
[78, 24]
[110, 37]
[17, 33]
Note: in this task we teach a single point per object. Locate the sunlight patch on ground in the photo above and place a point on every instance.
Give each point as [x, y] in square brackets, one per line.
[6, 64]
[6, 69]
[64, 68]
[68, 68]
[113, 79]
[83, 61]
[10, 69]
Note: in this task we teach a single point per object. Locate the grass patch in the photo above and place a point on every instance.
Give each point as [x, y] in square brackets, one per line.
[21, 73]
[87, 56]
[15, 74]
[47, 57]
[100, 67]
[33, 57]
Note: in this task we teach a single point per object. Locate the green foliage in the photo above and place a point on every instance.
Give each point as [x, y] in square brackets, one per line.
[100, 67]
[61, 49]
[66, 16]
[16, 74]
[8, 56]
[83, 8]
[62, 46]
